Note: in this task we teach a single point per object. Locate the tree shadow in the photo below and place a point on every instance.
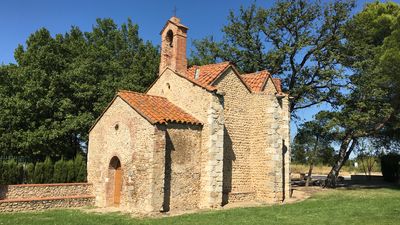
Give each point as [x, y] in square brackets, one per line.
[169, 147]
[228, 158]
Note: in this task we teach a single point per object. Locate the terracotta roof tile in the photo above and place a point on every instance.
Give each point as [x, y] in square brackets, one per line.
[256, 81]
[207, 73]
[278, 84]
[157, 109]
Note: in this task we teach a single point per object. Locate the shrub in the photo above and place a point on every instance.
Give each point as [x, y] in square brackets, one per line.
[29, 173]
[2, 172]
[70, 171]
[60, 172]
[11, 172]
[38, 174]
[80, 169]
[390, 167]
[20, 173]
[48, 170]
[11, 168]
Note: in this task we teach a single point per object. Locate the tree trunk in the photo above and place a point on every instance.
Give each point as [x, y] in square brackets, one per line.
[344, 153]
[309, 174]
[312, 160]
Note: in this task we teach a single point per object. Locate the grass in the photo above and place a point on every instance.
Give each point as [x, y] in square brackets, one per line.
[362, 206]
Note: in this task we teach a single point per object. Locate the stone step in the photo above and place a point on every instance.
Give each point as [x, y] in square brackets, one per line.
[34, 204]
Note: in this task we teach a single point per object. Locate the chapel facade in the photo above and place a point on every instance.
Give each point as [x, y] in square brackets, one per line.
[200, 137]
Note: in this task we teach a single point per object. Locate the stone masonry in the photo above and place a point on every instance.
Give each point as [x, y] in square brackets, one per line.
[200, 137]
[34, 197]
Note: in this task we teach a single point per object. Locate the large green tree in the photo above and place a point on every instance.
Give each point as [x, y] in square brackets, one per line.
[314, 139]
[371, 109]
[61, 84]
[299, 41]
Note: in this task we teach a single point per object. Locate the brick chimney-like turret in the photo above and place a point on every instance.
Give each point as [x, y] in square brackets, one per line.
[173, 46]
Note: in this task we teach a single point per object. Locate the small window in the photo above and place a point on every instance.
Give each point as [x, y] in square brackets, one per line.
[168, 86]
[116, 127]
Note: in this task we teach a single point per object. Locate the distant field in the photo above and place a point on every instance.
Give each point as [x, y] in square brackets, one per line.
[363, 206]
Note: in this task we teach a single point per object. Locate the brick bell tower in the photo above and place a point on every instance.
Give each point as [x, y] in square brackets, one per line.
[173, 46]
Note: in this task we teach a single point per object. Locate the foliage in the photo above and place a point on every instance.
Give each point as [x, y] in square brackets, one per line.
[62, 83]
[367, 155]
[371, 108]
[69, 165]
[38, 175]
[328, 207]
[48, 170]
[61, 171]
[299, 41]
[313, 143]
[80, 168]
[390, 166]
[29, 173]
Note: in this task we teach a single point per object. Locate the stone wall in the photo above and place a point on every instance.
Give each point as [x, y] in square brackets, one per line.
[30, 197]
[237, 177]
[206, 107]
[45, 203]
[182, 167]
[133, 142]
[26, 191]
[256, 126]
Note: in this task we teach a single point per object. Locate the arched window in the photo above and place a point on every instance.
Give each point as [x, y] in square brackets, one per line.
[169, 38]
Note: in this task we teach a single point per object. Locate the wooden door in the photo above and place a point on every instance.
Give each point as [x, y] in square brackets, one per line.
[117, 186]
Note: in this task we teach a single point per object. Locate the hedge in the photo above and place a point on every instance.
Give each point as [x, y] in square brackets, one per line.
[61, 171]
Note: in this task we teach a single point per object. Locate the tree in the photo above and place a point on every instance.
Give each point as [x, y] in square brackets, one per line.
[367, 155]
[299, 41]
[61, 84]
[314, 139]
[371, 109]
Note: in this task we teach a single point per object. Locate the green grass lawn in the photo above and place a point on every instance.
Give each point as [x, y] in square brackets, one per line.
[366, 206]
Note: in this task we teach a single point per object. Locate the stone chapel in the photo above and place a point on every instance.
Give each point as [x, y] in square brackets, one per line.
[199, 137]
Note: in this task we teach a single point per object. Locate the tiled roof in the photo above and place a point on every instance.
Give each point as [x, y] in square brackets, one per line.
[207, 73]
[157, 109]
[256, 81]
[278, 84]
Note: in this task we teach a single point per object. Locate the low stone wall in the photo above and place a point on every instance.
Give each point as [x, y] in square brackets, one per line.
[30, 197]
[18, 205]
[25, 191]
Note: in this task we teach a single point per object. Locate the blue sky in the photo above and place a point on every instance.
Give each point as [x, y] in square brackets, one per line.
[20, 18]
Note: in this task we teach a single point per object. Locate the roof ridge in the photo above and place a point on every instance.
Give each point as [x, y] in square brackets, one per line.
[256, 72]
[211, 64]
[156, 109]
[140, 93]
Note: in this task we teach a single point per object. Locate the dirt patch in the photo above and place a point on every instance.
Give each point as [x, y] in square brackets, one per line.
[302, 193]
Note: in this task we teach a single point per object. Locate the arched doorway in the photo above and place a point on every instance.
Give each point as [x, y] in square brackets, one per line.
[115, 185]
